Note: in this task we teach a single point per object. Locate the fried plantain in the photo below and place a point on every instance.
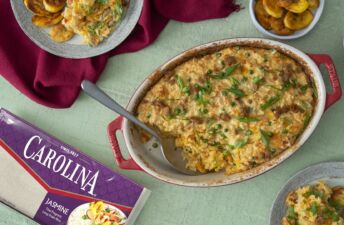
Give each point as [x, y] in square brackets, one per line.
[298, 6]
[54, 6]
[285, 3]
[262, 16]
[36, 6]
[313, 4]
[46, 21]
[278, 27]
[272, 8]
[299, 21]
[59, 33]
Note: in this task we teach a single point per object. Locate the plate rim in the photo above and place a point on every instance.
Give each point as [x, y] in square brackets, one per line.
[132, 19]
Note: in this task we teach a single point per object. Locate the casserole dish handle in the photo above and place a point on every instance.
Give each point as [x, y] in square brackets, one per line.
[127, 164]
[336, 93]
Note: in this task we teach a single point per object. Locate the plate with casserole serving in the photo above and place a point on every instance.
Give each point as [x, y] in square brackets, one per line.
[77, 28]
[236, 107]
[314, 196]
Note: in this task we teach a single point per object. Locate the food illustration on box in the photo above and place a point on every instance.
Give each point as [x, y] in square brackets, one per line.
[96, 213]
[53, 183]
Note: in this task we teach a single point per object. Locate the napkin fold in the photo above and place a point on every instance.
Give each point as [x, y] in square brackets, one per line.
[55, 81]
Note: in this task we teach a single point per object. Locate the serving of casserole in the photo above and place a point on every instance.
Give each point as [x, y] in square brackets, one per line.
[237, 108]
[232, 109]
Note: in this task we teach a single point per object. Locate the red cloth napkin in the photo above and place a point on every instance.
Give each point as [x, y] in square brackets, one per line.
[54, 81]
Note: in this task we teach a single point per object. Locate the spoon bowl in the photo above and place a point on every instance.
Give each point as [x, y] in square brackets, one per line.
[168, 151]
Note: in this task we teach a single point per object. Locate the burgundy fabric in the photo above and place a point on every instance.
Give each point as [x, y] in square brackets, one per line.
[54, 81]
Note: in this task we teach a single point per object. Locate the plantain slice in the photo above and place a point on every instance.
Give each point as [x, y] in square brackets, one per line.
[284, 3]
[59, 33]
[313, 4]
[278, 27]
[36, 6]
[46, 21]
[298, 6]
[54, 6]
[299, 21]
[262, 16]
[272, 8]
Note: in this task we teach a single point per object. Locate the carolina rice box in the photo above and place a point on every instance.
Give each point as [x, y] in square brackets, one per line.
[53, 183]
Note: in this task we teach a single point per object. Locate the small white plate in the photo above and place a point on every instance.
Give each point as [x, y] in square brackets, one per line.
[74, 48]
[317, 13]
[330, 172]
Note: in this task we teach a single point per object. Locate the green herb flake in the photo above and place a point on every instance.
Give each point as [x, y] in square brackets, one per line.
[102, 2]
[270, 102]
[236, 91]
[314, 208]
[84, 217]
[248, 119]
[240, 143]
[258, 80]
[291, 213]
[265, 136]
[248, 132]
[182, 87]
[304, 88]
[224, 74]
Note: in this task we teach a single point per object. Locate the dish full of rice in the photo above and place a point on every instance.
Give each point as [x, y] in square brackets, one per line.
[233, 109]
[317, 204]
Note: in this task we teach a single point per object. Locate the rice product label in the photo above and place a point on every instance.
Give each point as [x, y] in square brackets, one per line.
[53, 183]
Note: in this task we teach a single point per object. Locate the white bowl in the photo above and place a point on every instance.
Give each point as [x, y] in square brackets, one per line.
[317, 13]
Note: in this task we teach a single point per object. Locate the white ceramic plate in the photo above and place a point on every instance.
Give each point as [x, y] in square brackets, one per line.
[330, 172]
[317, 13]
[74, 48]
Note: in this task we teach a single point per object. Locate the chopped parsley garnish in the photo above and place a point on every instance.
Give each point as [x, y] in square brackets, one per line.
[203, 111]
[265, 136]
[258, 80]
[178, 111]
[223, 74]
[236, 91]
[315, 193]
[271, 101]
[240, 143]
[84, 217]
[182, 87]
[314, 208]
[92, 29]
[245, 119]
[248, 132]
[304, 88]
[306, 121]
[102, 2]
[291, 213]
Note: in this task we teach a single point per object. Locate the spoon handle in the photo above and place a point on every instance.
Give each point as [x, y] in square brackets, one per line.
[95, 92]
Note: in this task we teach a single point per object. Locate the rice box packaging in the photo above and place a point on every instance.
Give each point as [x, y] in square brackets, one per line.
[55, 184]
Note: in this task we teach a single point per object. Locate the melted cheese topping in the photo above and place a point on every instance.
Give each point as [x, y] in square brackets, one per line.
[232, 109]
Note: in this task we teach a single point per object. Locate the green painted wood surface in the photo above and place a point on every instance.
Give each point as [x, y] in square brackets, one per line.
[248, 203]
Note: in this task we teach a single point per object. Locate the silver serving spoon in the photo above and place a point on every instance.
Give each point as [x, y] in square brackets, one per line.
[172, 156]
